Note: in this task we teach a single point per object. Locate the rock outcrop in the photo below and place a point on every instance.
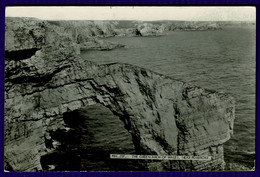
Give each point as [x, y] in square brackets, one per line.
[89, 34]
[149, 29]
[190, 26]
[45, 78]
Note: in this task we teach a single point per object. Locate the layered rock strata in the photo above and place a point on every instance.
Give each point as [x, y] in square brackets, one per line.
[163, 115]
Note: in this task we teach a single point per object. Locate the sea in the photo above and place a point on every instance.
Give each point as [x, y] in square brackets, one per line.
[222, 60]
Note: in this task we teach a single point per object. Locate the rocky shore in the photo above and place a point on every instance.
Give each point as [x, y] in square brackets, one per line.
[45, 79]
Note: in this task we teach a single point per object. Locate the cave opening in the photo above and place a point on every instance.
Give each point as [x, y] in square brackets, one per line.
[94, 133]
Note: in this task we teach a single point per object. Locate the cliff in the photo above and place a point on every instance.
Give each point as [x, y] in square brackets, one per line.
[46, 79]
[157, 28]
[88, 34]
[82, 31]
[191, 25]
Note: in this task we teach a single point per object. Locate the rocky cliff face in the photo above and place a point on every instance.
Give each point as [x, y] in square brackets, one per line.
[190, 25]
[88, 34]
[46, 79]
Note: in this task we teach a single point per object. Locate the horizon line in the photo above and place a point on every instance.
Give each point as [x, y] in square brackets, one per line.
[131, 20]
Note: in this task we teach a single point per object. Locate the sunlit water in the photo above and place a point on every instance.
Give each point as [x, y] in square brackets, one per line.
[222, 60]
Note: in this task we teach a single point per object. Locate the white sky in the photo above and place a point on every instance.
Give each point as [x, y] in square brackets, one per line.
[218, 13]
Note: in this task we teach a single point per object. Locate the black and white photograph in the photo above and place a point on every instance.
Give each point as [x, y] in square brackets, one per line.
[129, 88]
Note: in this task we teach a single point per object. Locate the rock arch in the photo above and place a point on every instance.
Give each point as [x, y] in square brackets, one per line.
[92, 133]
[165, 116]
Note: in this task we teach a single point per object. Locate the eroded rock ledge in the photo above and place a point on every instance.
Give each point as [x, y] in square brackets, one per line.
[164, 116]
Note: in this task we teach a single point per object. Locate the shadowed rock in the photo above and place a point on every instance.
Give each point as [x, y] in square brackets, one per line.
[163, 115]
[138, 33]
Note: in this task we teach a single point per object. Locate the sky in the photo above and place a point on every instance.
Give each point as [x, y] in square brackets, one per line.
[144, 13]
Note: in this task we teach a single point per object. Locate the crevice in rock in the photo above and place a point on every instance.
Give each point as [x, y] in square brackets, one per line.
[7, 166]
[39, 79]
[20, 54]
